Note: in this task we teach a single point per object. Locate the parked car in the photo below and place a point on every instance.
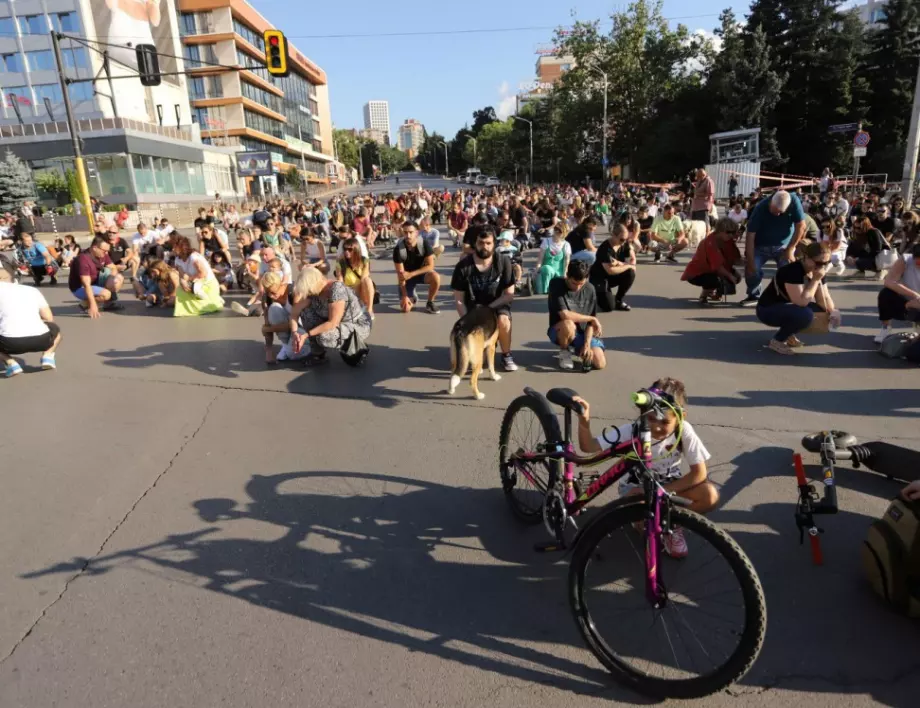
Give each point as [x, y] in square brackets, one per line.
[492, 182]
[461, 178]
[480, 180]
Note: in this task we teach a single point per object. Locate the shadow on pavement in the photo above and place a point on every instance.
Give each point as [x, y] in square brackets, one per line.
[875, 402]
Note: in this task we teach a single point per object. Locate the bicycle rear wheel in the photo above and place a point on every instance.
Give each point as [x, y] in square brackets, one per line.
[524, 428]
[706, 636]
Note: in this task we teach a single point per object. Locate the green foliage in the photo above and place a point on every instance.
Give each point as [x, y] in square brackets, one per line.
[51, 182]
[16, 186]
[292, 178]
[347, 147]
[73, 186]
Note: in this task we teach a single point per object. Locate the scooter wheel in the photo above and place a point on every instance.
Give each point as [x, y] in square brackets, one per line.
[842, 440]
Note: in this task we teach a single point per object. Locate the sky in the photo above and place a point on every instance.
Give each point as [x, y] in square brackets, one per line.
[441, 79]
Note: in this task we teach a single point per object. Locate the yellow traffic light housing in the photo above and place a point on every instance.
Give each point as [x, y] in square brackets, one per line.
[276, 52]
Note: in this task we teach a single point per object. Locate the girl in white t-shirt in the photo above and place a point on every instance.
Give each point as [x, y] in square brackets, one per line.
[197, 289]
[673, 441]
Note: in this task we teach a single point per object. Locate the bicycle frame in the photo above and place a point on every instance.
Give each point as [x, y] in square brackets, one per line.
[654, 493]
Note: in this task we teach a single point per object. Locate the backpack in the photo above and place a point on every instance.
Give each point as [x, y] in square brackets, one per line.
[890, 556]
[895, 346]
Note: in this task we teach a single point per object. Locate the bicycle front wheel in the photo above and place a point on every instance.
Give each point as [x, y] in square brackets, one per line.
[707, 634]
[525, 427]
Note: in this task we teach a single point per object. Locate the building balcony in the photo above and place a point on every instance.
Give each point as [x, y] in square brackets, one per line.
[94, 125]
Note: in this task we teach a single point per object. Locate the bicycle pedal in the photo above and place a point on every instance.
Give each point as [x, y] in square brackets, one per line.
[548, 547]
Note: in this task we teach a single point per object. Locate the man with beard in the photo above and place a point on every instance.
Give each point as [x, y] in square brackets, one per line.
[486, 278]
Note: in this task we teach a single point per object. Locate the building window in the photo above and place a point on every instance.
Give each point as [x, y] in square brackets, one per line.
[254, 145]
[143, 174]
[200, 116]
[251, 36]
[197, 55]
[261, 96]
[76, 58]
[263, 124]
[20, 94]
[162, 176]
[40, 61]
[66, 22]
[12, 62]
[80, 92]
[187, 24]
[33, 24]
[7, 27]
[50, 91]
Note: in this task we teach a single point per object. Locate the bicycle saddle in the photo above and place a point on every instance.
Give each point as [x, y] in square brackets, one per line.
[564, 397]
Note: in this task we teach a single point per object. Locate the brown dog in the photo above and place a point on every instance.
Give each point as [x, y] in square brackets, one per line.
[474, 334]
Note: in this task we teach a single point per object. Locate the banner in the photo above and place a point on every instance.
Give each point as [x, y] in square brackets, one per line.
[128, 23]
[254, 164]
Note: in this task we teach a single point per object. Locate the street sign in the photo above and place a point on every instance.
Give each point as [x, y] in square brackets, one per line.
[861, 139]
[859, 152]
[843, 128]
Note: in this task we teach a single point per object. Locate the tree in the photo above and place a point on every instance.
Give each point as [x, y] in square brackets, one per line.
[16, 186]
[347, 147]
[482, 118]
[890, 70]
[293, 179]
[494, 148]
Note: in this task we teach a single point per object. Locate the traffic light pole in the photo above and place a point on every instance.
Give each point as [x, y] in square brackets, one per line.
[909, 174]
[74, 138]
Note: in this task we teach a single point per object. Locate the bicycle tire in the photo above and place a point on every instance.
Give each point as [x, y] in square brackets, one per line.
[755, 610]
[550, 426]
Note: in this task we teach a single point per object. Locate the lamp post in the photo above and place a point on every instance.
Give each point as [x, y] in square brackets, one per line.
[606, 83]
[446, 161]
[530, 124]
[475, 146]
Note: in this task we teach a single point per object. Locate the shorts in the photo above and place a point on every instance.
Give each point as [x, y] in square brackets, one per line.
[80, 293]
[413, 283]
[700, 215]
[578, 342]
[25, 345]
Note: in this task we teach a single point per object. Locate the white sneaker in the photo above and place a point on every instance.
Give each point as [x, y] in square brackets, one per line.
[840, 268]
[239, 309]
[881, 275]
[882, 333]
[565, 360]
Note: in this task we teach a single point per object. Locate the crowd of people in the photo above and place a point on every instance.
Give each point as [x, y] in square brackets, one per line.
[305, 267]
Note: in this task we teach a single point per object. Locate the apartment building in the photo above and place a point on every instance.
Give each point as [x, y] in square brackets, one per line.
[377, 117]
[411, 137]
[139, 141]
[249, 109]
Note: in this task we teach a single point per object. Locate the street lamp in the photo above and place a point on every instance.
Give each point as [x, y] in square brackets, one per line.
[604, 159]
[446, 161]
[475, 145]
[529, 123]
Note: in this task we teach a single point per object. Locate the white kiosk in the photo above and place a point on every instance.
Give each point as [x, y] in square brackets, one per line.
[735, 152]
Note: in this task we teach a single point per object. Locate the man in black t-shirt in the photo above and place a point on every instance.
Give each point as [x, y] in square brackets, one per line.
[645, 227]
[573, 318]
[486, 279]
[614, 267]
[518, 216]
[414, 259]
[581, 239]
[203, 219]
[120, 251]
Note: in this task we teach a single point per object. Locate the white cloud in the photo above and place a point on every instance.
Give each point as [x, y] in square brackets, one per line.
[507, 101]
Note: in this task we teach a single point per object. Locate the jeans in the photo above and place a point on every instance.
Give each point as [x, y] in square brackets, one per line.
[586, 256]
[892, 306]
[762, 256]
[621, 281]
[790, 318]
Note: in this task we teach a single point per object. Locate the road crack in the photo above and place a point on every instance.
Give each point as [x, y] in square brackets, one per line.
[121, 522]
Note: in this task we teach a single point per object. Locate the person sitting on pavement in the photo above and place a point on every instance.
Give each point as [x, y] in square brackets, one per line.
[796, 292]
[324, 313]
[614, 267]
[774, 229]
[155, 286]
[222, 271]
[122, 254]
[900, 298]
[196, 287]
[555, 254]
[667, 234]
[486, 279]
[146, 243]
[674, 441]
[864, 246]
[26, 325]
[268, 255]
[581, 240]
[353, 269]
[458, 222]
[246, 247]
[312, 250]
[69, 251]
[414, 262]
[573, 318]
[712, 267]
[41, 263]
[833, 233]
[361, 225]
[509, 246]
[431, 235]
[94, 280]
[213, 240]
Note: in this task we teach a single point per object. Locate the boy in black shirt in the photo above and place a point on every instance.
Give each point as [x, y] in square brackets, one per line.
[486, 278]
[414, 259]
[614, 267]
[573, 318]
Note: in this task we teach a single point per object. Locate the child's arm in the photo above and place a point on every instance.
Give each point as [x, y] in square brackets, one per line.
[697, 475]
[586, 440]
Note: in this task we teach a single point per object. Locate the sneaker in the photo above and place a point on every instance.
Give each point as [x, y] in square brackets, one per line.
[113, 306]
[622, 306]
[239, 309]
[675, 545]
[53, 280]
[749, 301]
[48, 362]
[840, 268]
[657, 256]
[13, 369]
[882, 333]
[671, 258]
[432, 309]
[565, 360]
[794, 342]
[780, 347]
[508, 363]
[148, 303]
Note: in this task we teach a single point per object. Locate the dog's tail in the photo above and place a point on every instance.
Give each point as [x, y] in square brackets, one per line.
[459, 357]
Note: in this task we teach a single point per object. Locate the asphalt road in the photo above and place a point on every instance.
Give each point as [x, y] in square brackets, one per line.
[183, 527]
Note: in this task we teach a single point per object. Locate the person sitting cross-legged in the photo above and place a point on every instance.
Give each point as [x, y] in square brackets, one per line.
[573, 318]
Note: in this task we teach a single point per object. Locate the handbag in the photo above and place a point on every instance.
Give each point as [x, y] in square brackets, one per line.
[354, 349]
[821, 324]
[886, 259]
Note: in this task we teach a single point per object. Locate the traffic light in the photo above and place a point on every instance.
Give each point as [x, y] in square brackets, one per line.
[148, 64]
[276, 52]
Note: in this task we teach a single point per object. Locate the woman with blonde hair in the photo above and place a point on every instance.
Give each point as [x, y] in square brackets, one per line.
[325, 313]
[354, 270]
[277, 305]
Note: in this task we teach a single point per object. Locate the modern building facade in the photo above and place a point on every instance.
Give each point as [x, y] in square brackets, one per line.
[411, 137]
[249, 109]
[549, 69]
[871, 12]
[139, 141]
[377, 117]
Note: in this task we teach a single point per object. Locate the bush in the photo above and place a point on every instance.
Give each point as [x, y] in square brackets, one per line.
[51, 182]
[112, 207]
